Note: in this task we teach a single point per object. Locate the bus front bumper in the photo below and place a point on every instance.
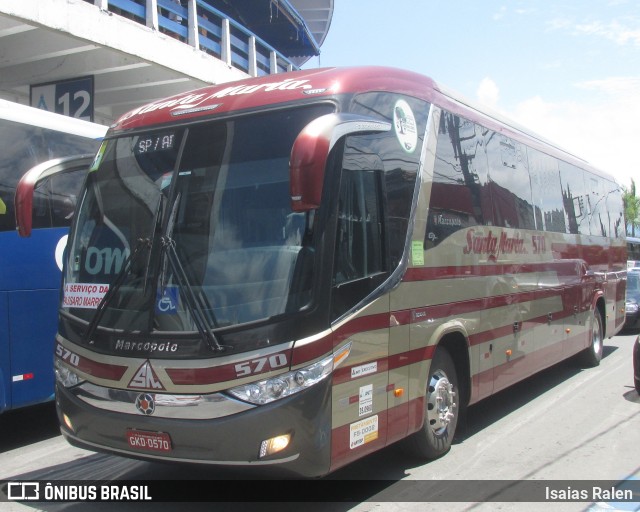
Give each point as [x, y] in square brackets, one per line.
[233, 440]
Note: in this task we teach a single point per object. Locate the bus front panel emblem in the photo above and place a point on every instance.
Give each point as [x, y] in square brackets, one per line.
[145, 404]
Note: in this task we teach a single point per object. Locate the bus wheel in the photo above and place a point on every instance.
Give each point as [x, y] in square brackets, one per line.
[442, 409]
[592, 355]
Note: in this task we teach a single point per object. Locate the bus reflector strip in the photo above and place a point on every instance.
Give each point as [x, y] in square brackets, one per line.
[24, 376]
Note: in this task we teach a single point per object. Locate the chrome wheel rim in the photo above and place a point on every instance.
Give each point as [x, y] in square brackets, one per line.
[441, 402]
[596, 336]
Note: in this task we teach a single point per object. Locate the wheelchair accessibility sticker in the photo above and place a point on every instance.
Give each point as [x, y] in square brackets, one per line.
[167, 301]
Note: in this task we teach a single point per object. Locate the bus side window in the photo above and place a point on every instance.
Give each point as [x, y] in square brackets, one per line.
[575, 198]
[460, 193]
[615, 213]
[358, 241]
[509, 182]
[547, 192]
[21, 150]
[359, 248]
[597, 205]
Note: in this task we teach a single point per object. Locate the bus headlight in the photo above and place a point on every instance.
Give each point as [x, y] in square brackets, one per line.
[64, 376]
[281, 386]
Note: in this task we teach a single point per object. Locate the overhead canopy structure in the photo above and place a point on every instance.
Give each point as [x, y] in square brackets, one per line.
[276, 21]
[317, 15]
[133, 61]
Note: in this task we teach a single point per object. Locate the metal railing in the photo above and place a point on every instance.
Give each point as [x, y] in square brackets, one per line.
[205, 28]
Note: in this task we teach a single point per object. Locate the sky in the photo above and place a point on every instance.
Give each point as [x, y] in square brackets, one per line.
[568, 70]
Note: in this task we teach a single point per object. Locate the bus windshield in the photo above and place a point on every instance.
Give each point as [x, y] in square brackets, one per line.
[193, 224]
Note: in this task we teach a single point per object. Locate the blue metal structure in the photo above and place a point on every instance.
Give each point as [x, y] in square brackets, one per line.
[259, 37]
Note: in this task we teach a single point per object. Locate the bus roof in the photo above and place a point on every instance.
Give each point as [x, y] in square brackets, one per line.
[35, 117]
[274, 89]
[270, 90]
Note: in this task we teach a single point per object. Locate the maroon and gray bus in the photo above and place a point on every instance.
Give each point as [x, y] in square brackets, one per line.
[296, 271]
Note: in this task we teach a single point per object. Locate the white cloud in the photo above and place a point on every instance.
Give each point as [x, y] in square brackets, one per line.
[602, 130]
[488, 92]
[500, 13]
[616, 31]
[553, 64]
[559, 23]
[629, 86]
[622, 31]
[526, 12]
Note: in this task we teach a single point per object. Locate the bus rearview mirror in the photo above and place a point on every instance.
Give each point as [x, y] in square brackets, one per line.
[311, 150]
[23, 200]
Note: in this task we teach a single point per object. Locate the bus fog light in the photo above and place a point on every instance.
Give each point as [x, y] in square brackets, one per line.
[274, 445]
[67, 422]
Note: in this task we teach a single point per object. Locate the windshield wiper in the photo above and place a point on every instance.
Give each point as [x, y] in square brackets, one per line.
[115, 286]
[193, 302]
[202, 315]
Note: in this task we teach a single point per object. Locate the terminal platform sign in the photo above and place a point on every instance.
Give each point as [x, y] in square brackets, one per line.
[73, 97]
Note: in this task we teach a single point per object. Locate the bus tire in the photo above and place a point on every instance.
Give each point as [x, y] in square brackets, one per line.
[592, 355]
[441, 412]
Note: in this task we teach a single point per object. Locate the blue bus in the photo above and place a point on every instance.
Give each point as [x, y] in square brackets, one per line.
[32, 146]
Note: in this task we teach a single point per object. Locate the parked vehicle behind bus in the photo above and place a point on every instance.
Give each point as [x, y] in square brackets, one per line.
[30, 277]
[636, 364]
[632, 303]
[633, 252]
[298, 271]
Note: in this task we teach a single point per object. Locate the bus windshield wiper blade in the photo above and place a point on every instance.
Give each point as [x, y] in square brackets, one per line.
[193, 302]
[115, 286]
[197, 305]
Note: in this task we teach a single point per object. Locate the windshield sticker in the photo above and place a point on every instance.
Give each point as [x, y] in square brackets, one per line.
[417, 253]
[405, 126]
[78, 295]
[167, 301]
[165, 180]
[363, 432]
[98, 158]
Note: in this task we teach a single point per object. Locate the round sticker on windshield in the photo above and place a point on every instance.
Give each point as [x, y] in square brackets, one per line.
[405, 126]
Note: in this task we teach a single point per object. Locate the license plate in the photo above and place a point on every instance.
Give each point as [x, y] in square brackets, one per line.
[149, 441]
